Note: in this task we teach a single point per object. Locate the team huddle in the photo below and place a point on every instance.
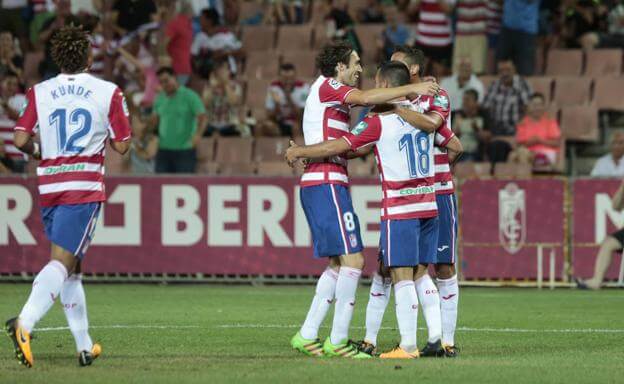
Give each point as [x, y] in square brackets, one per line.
[409, 131]
[75, 115]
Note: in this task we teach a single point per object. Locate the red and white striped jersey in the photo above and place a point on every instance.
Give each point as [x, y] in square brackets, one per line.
[494, 15]
[326, 117]
[471, 17]
[75, 114]
[404, 157]
[6, 127]
[441, 105]
[434, 26]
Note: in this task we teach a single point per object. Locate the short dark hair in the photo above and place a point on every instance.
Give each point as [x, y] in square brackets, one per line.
[538, 95]
[395, 72]
[413, 56]
[167, 70]
[331, 55]
[287, 67]
[211, 14]
[472, 92]
[70, 48]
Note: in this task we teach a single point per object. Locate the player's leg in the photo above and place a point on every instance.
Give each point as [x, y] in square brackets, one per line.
[445, 270]
[426, 289]
[380, 291]
[399, 254]
[609, 245]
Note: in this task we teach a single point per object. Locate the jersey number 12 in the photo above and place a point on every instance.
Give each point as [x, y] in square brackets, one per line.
[80, 118]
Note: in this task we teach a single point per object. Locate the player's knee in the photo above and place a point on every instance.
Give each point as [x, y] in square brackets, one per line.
[401, 274]
[334, 263]
[420, 271]
[65, 257]
[445, 271]
[353, 260]
[383, 271]
[612, 243]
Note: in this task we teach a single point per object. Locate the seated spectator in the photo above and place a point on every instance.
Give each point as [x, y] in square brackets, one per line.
[10, 60]
[471, 33]
[178, 37]
[457, 84]
[144, 148]
[471, 125]
[285, 101]
[372, 13]
[213, 43]
[180, 117]
[611, 164]
[518, 38]
[223, 99]
[11, 102]
[6, 163]
[609, 31]
[339, 24]
[539, 134]
[505, 101]
[62, 17]
[129, 15]
[396, 33]
[580, 20]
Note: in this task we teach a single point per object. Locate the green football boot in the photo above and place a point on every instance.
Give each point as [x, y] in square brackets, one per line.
[310, 347]
[345, 349]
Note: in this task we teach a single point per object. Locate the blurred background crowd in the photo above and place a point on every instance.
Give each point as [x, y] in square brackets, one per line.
[219, 86]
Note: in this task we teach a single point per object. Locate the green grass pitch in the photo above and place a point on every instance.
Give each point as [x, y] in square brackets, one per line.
[240, 334]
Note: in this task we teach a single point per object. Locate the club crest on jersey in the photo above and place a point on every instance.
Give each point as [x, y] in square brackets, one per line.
[353, 240]
[24, 106]
[512, 217]
[124, 105]
[334, 83]
[441, 101]
[361, 127]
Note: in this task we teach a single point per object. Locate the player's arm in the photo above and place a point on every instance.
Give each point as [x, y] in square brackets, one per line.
[455, 149]
[119, 128]
[360, 152]
[384, 95]
[428, 122]
[25, 128]
[325, 149]
[617, 201]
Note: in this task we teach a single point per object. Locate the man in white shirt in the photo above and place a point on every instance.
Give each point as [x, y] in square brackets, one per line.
[611, 165]
[285, 100]
[463, 80]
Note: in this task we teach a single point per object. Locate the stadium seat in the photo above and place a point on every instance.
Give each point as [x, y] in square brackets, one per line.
[483, 169]
[256, 93]
[603, 62]
[261, 65]
[368, 35]
[207, 167]
[294, 37]
[234, 150]
[274, 168]
[571, 90]
[543, 85]
[505, 170]
[249, 9]
[580, 123]
[608, 93]
[270, 148]
[564, 62]
[258, 38]
[304, 62]
[553, 111]
[465, 170]
[206, 149]
[361, 167]
[237, 169]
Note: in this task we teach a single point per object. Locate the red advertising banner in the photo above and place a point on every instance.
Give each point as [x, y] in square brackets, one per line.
[243, 226]
[503, 223]
[593, 220]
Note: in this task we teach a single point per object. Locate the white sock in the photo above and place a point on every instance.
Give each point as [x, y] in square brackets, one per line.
[377, 302]
[449, 297]
[45, 290]
[430, 303]
[406, 313]
[75, 308]
[345, 302]
[323, 299]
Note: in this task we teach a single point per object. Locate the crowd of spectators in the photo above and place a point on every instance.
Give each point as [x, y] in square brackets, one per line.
[181, 65]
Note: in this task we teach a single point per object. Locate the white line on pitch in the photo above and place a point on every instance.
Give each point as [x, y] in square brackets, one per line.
[120, 326]
[460, 329]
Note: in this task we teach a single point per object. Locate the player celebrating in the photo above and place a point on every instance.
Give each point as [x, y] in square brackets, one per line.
[404, 156]
[75, 114]
[326, 200]
[431, 113]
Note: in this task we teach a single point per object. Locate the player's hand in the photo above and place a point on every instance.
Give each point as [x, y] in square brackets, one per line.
[290, 156]
[429, 88]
